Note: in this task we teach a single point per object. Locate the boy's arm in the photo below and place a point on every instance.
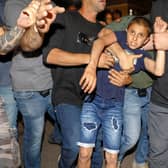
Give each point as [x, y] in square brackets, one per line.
[156, 67]
[88, 79]
[126, 61]
[160, 40]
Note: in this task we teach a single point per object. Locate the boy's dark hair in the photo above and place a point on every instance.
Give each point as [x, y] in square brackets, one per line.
[141, 21]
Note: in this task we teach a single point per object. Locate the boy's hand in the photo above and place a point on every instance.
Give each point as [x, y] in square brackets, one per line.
[127, 62]
[88, 79]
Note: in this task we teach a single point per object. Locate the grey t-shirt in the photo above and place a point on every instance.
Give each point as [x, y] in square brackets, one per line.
[27, 71]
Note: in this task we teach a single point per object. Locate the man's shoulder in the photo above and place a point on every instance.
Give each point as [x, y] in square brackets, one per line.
[67, 17]
[69, 14]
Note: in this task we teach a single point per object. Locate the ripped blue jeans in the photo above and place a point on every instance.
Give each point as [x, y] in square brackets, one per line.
[106, 113]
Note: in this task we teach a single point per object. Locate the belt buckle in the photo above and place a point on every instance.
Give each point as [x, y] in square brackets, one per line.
[44, 93]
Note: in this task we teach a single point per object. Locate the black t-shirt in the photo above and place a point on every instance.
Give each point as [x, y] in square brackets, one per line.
[160, 86]
[71, 33]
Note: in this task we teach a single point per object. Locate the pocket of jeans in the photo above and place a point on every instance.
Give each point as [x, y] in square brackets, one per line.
[23, 95]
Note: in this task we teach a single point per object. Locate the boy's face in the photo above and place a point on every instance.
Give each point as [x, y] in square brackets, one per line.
[137, 36]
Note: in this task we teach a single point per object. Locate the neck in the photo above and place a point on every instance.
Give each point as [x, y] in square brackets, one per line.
[88, 14]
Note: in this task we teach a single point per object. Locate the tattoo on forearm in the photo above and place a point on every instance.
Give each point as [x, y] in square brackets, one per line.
[10, 39]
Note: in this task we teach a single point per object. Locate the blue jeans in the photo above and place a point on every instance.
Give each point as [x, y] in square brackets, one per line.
[108, 114]
[68, 117]
[10, 105]
[56, 133]
[134, 115]
[32, 106]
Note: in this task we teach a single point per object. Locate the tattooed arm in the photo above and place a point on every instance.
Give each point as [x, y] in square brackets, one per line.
[10, 39]
[32, 38]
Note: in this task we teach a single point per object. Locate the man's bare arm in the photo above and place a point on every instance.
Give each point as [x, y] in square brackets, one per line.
[46, 14]
[10, 39]
[31, 39]
[60, 57]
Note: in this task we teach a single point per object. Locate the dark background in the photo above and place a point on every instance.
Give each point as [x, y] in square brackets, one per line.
[140, 7]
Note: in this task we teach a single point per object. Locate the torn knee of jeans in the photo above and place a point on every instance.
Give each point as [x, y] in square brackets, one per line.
[90, 125]
[115, 124]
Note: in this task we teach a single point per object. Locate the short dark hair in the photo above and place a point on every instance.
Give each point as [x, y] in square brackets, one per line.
[117, 11]
[141, 21]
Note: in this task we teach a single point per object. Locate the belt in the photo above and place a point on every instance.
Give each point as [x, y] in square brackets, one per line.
[44, 93]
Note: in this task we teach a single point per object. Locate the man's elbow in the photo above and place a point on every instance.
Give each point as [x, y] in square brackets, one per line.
[48, 59]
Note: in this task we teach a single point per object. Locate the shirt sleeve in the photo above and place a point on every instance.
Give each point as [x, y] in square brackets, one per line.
[55, 37]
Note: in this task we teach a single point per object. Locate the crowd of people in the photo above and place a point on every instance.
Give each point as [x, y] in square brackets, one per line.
[92, 80]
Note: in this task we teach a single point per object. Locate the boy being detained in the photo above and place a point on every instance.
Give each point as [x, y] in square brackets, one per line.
[104, 107]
